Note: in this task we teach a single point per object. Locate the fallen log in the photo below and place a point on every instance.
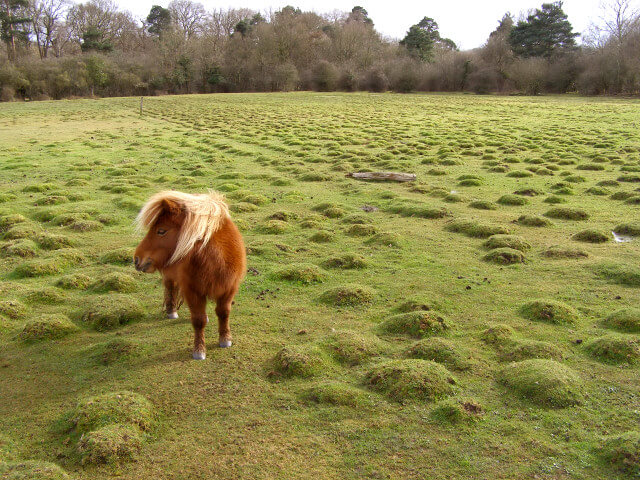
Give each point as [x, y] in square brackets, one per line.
[389, 176]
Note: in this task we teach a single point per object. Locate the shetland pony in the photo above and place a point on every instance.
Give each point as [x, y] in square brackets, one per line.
[199, 252]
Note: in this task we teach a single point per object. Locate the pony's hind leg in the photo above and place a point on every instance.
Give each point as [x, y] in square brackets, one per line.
[198, 308]
[172, 298]
[223, 308]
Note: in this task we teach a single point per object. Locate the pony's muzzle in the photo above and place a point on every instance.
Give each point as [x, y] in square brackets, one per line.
[141, 267]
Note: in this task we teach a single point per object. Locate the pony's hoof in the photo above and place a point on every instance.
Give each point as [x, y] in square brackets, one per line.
[172, 315]
[224, 343]
[199, 355]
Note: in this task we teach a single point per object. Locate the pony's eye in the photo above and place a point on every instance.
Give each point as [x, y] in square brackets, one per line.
[161, 231]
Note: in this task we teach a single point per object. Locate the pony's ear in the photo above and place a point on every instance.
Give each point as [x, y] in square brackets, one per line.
[171, 208]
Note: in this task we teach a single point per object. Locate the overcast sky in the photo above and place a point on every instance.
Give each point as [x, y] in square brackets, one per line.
[468, 23]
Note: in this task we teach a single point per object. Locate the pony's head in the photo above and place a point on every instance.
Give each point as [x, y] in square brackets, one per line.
[175, 223]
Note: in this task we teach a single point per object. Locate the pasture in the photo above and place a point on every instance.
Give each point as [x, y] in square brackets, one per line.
[481, 322]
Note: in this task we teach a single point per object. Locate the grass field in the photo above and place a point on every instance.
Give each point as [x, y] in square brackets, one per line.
[481, 322]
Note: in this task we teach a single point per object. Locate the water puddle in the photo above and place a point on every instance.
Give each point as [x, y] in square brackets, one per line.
[622, 238]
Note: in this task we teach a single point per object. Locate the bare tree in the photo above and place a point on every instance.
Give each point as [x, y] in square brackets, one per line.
[46, 19]
[619, 18]
[188, 16]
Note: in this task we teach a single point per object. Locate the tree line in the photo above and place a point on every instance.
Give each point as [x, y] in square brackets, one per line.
[57, 49]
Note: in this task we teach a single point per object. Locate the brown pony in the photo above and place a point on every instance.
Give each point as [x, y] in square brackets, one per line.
[193, 243]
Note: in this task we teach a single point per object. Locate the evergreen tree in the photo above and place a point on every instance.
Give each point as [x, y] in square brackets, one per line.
[544, 33]
[159, 20]
[14, 24]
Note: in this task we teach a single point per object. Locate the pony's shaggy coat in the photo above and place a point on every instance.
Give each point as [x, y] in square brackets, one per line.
[203, 216]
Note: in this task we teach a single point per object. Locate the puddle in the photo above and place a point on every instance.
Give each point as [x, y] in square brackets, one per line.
[621, 238]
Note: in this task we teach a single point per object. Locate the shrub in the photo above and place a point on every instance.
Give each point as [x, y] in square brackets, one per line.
[325, 76]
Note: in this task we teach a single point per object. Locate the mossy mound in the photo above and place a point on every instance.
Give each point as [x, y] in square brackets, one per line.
[533, 221]
[353, 348]
[118, 350]
[453, 412]
[631, 229]
[242, 207]
[411, 379]
[357, 219]
[40, 268]
[387, 239]
[504, 256]
[115, 282]
[549, 311]
[528, 192]
[515, 242]
[624, 320]
[121, 256]
[346, 261]
[470, 182]
[301, 272]
[417, 324]
[415, 305]
[560, 251]
[512, 200]
[622, 452]
[517, 350]
[112, 311]
[483, 205]
[330, 210]
[252, 198]
[322, 236]
[567, 213]
[474, 229]
[554, 200]
[299, 361]
[274, 227]
[50, 241]
[110, 444]
[127, 408]
[418, 211]
[17, 232]
[348, 296]
[283, 216]
[591, 235]
[497, 334]
[13, 309]
[48, 327]
[439, 350]
[47, 295]
[628, 275]
[75, 281]
[519, 174]
[335, 393]
[361, 230]
[32, 470]
[9, 220]
[545, 382]
[615, 349]
[20, 248]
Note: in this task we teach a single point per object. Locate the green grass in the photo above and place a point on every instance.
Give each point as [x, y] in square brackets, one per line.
[347, 280]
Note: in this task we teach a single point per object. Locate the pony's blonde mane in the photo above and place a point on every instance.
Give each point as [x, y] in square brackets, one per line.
[203, 216]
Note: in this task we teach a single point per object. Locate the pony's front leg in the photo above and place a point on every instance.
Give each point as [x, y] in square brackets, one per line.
[198, 308]
[171, 298]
